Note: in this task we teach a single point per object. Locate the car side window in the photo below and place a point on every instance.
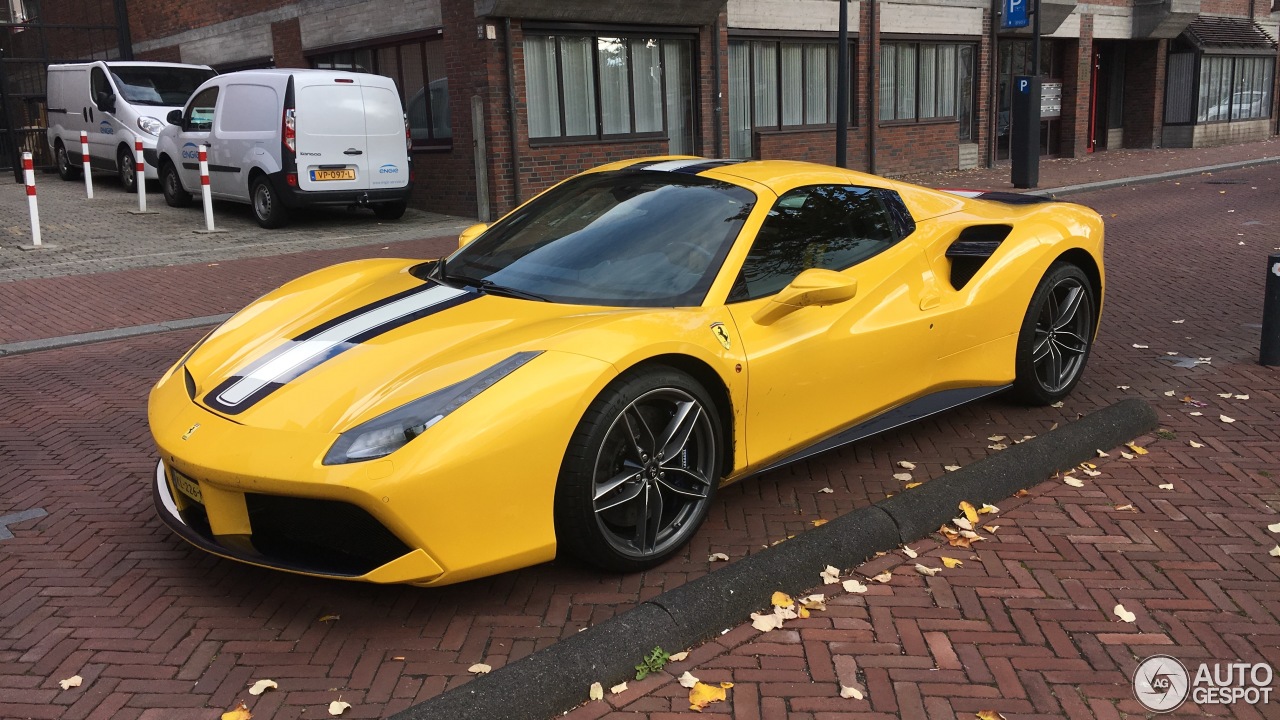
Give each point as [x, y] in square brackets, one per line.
[820, 226]
[98, 84]
[199, 114]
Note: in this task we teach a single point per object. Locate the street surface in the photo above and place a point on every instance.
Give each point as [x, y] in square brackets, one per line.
[101, 589]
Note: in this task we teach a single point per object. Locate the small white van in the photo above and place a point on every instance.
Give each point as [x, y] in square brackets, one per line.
[285, 139]
[115, 103]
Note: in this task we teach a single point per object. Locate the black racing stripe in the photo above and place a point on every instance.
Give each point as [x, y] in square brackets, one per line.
[703, 167]
[643, 164]
[211, 398]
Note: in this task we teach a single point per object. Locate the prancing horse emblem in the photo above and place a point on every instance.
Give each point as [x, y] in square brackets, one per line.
[190, 430]
[718, 329]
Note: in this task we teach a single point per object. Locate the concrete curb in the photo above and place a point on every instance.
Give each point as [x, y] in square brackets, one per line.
[557, 678]
[30, 346]
[1154, 178]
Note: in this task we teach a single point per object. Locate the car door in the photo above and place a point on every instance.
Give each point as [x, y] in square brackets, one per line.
[197, 122]
[332, 145]
[102, 133]
[247, 125]
[816, 370]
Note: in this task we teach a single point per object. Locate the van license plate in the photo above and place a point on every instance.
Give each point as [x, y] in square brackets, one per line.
[188, 487]
[322, 175]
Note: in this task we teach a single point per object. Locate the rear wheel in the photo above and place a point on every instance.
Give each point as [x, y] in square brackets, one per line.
[66, 170]
[1056, 336]
[267, 208]
[640, 472]
[128, 172]
[390, 210]
[171, 186]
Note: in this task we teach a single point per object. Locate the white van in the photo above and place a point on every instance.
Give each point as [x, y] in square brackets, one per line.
[115, 103]
[285, 139]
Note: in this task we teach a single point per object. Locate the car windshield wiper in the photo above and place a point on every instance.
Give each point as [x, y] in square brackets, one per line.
[492, 287]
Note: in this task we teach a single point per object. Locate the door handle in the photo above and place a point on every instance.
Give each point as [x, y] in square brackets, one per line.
[84, 114]
[90, 114]
[930, 301]
[353, 151]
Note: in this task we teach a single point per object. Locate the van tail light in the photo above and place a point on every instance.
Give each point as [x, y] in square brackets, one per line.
[291, 179]
[290, 133]
[408, 136]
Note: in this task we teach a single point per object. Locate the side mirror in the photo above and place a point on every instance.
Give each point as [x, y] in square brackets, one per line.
[174, 117]
[471, 233]
[106, 102]
[814, 286]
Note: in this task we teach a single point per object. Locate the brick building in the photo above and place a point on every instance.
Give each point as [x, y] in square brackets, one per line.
[508, 96]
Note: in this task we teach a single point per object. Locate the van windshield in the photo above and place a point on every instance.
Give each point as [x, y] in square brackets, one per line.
[163, 86]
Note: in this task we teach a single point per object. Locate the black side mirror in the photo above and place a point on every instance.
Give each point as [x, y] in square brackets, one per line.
[106, 101]
[174, 117]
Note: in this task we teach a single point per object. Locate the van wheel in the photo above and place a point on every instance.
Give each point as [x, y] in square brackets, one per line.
[66, 170]
[390, 210]
[267, 209]
[128, 173]
[171, 186]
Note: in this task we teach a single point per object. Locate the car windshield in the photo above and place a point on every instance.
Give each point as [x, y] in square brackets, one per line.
[637, 238]
[161, 86]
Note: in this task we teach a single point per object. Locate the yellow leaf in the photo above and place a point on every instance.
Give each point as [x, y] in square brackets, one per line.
[687, 679]
[970, 514]
[1274, 528]
[1194, 444]
[884, 577]
[1166, 486]
[73, 681]
[951, 562]
[596, 691]
[765, 623]
[262, 686]
[337, 707]
[1123, 614]
[951, 468]
[239, 712]
[618, 689]
[819, 522]
[1275, 551]
[479, 669]
[713, 557]
[817, 601]
[906, 550]
[850, 692]
[906, 465]
[926, 570]
[1126, 506]
[989, 715]
[1073, 482]
[902, 477]
[987, 508]
[703, 695]
[910, 485]
[996, 438]
[854, 586]
[803, 612]
[1136, 450]
[677, 657]
[826, 490]
[1226, 419]
[991, 528]
[1021, 493]
[329, 618]
[781, 599]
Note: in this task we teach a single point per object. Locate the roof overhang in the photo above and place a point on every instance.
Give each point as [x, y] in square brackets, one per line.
[649, 12]
[1228, 36]
[1163, 19]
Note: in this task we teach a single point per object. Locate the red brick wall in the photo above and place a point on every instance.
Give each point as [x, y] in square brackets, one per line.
[151, 19]
[1144, 74]
[810, 144]
[1077, 69]
[916, 147]
[286, 44]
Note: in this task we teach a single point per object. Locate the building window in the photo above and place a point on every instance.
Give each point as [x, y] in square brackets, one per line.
[590, 87]
[780, 83]
[1234, 88]
[417, 66]
[924, 81]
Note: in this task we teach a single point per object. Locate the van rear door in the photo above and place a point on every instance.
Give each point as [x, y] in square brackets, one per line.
[333, 153]
[384, 125]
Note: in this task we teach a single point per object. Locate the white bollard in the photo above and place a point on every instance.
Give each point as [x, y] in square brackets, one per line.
[84, 160]
[140, 179]
[29, 175]
[204, 189]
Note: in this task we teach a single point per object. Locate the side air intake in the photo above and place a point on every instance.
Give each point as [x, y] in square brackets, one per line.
[970, 250]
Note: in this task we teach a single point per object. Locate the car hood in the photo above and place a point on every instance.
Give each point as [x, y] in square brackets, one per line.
[347, 344]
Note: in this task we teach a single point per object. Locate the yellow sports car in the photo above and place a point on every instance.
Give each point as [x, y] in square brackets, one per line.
[581, 376]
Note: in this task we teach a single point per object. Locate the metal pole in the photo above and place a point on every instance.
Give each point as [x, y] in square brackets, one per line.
[842, 88]
[1035, 45]
[1270, 351]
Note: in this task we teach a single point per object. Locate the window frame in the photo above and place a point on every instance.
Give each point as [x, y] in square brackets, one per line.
[1230, 74]
[750, 42]
[216, 90]
[956, 93]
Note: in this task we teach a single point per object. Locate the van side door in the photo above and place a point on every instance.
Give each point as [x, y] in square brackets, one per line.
[246, 129]
[197, 121]
[102, 133]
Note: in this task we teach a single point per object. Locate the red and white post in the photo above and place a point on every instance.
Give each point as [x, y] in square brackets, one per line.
[140, 178]
[204, 189]
[84, 160]
[29, 175]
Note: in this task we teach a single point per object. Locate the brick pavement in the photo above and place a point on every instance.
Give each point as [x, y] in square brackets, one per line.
[159, 630]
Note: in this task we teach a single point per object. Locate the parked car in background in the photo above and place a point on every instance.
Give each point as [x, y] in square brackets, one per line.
[285, 139]
[116, 103]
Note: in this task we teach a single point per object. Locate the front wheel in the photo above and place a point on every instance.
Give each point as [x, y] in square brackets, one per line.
[640, 471]
[1056, 336]
[267, 209]
[128, 171]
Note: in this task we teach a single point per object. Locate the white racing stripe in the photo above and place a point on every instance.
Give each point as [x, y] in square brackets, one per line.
[674, 165]
[301, 354]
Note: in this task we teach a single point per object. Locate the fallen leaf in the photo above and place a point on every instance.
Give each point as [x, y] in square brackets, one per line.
[677, 657]
[479, 669]
[906, 465]
[884, 577]
[819, 522]
[830, 575]
[991, 528]
[329, 618]
[765, 623]
[596, 691]
[1166, 486]
[1127, 456]
[73, 681]
[998, 446]
[1102, 454]
[1136, 450]
[927, 571]
[618, 689]
[817, 601]
[688, 680]
[902, 477]
[1168, 393]
[950, 562]
[1195, 444]
[1242, 397]
[988, 509]
[401, 657]
[1178, 322]
[703, 695]
[854, 586]
[337, 707]
[996, 438]
[1226, 419]
[1123, 614]
[962, 523]
[967, 508]
[910, 485]
[989, 715]
[1022, 493]
[1275, 551]
[1197, 413]
[1274, 528]
[1057, 405]
[1073, 482]
[717, 556]
[970, 535]
[1140, 347]
[262, 686]
[826, 490]
[1091, 473]
[1127, 506]
[850, 693]
[906, 550]
[951, 468]
[239, 712]
[1224, 395]
[1122, 387]
[781, 599]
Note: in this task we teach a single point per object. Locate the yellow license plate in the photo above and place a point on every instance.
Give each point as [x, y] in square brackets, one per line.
[188, 487]
[322, 175]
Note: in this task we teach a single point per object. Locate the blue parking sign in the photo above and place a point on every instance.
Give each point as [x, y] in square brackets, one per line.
[1015, 14]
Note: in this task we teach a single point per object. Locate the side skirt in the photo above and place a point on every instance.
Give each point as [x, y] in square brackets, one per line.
[917, 409]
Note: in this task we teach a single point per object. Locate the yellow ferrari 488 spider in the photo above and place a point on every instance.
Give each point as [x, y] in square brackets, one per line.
[581, 376]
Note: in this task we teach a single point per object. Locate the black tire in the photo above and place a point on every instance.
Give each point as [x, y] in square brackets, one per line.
[171, 186]
[1056, 336]
[66, 169]
[267, 208]
[618, 471]
[390, 210]
[127, 171]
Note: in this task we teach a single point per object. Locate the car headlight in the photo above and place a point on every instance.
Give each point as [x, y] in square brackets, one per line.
[150, 125]
[393, 429]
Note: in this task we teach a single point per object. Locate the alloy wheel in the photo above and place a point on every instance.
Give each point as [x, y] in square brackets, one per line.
[1062, 335]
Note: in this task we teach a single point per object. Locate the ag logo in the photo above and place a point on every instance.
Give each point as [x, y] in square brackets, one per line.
[1161, 683]
[191, 431]
[388, 168]
[190, 152]
[718, 329]
[105, 128]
